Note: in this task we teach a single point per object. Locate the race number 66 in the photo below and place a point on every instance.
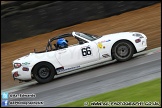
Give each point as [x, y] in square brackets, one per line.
[86, 51]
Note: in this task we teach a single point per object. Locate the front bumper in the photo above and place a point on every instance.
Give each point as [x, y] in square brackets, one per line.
[19, 74]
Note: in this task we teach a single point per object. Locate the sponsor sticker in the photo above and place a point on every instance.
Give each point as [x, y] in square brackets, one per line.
[100, 45]
[26, 63]
[105, 55]
[105, 41]
[67, 69]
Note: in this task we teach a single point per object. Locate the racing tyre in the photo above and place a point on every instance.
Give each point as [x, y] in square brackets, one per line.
[43, 72]
[123, 51]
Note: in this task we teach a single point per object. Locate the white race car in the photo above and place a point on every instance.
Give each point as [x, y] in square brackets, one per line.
[88, 50]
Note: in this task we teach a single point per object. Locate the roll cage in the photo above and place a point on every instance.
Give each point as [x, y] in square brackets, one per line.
[49, 45]
[80, 39]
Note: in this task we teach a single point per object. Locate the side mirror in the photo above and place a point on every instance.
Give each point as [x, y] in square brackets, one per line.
[81, 42]
[67, 41]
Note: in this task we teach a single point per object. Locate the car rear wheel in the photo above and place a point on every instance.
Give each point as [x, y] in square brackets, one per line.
[123, 51]
[43, 72]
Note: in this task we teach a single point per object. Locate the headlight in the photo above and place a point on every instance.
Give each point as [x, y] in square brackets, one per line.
[17, 65]
[138, 35]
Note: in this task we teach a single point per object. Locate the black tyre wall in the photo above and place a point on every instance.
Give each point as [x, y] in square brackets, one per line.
[21, 19]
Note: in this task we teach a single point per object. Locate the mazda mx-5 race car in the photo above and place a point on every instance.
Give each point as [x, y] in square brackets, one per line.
[86, 50]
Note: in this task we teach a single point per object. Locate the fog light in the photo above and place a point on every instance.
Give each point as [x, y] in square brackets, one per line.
[25, 69]
[16, 74]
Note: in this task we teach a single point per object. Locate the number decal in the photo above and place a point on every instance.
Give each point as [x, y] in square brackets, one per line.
[86, 51]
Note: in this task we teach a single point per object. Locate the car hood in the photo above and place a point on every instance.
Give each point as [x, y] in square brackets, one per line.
[25, 58]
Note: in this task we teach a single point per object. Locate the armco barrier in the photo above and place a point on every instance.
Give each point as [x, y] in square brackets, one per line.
[21, 19]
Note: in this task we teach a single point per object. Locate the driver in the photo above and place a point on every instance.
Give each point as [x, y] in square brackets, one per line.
[62, 43]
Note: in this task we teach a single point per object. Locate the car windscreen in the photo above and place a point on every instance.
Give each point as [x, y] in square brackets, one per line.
[87, 36]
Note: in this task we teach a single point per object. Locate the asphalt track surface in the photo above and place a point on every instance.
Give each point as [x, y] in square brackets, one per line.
[94, 81]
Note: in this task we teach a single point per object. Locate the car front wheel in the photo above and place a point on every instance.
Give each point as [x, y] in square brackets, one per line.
[43, 72]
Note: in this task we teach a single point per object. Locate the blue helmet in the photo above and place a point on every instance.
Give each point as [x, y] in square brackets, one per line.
[62, 43]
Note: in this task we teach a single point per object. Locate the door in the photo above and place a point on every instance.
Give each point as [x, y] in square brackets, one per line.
[74, 56]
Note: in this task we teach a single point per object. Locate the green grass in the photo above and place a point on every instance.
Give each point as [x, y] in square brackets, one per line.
[147, 92]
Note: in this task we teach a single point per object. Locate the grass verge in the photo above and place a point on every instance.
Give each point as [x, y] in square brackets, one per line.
[143, 94]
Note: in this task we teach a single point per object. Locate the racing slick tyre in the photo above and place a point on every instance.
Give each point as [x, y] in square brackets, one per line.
[43, 72]
[123, 50]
